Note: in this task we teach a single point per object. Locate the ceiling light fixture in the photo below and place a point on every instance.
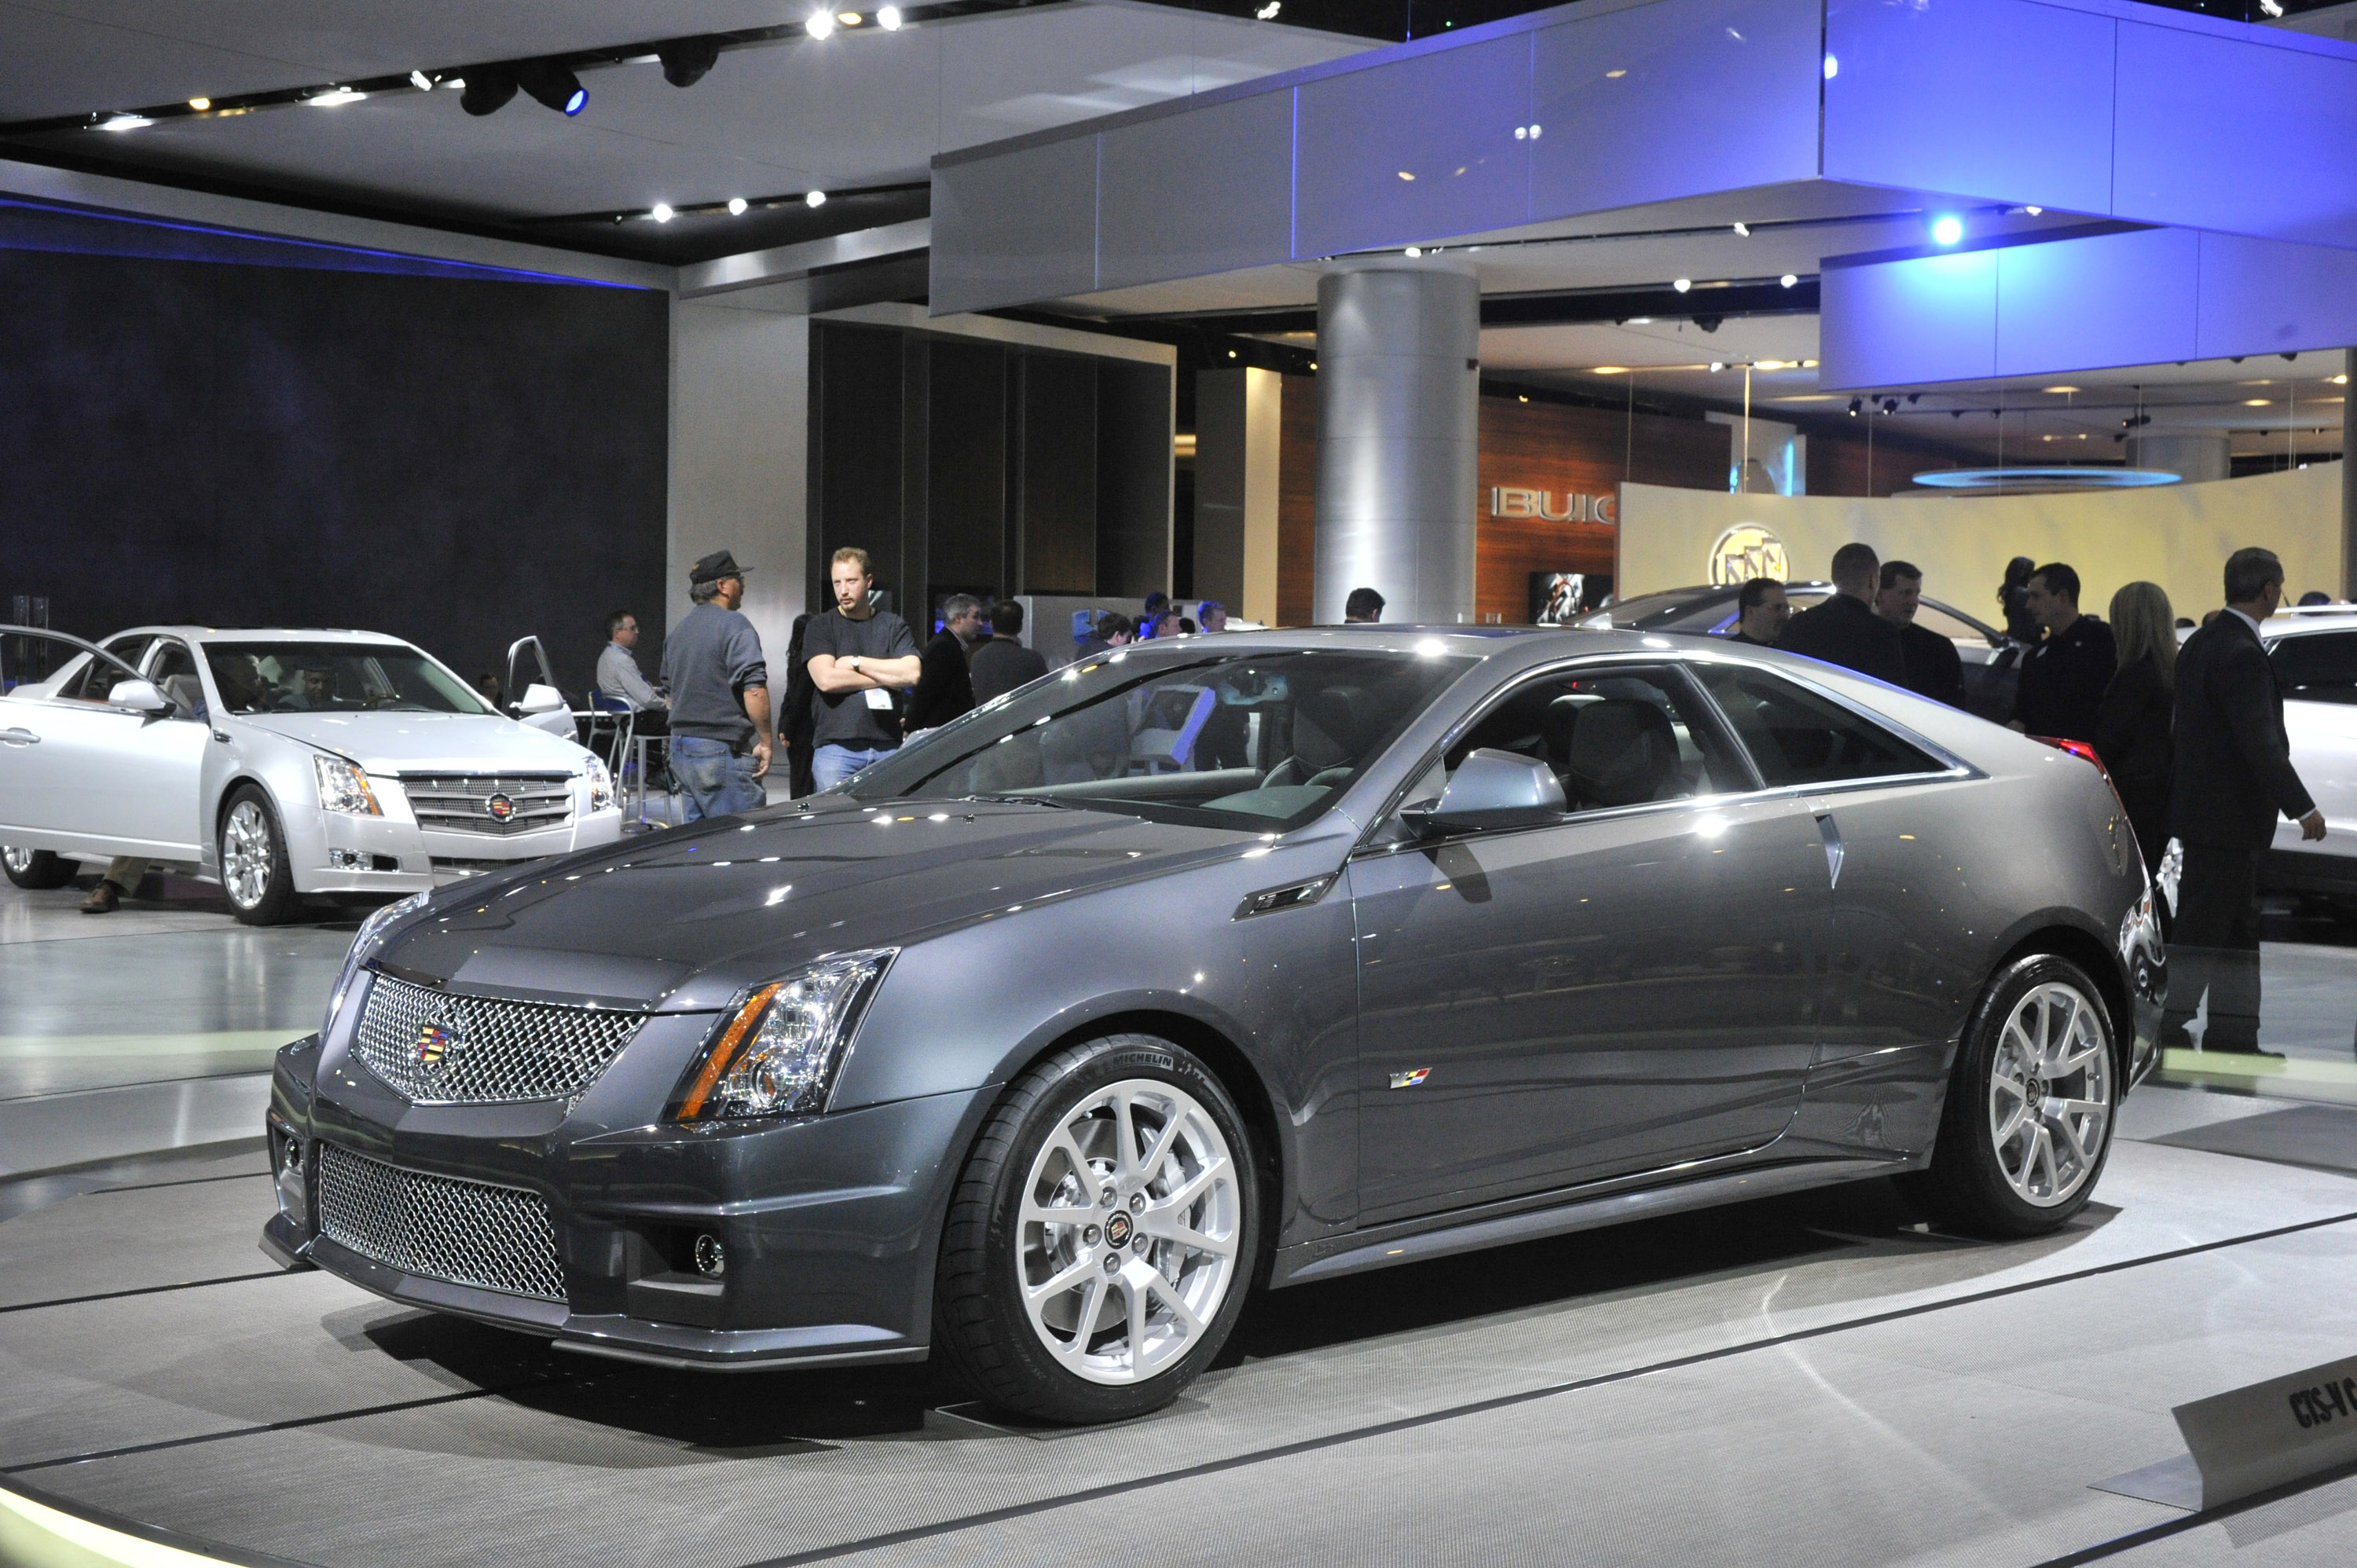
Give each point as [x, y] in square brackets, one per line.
[420, 80]
[1788, 279]
[735, 207]
[334, 98]
[662, 213]
[1946, 229]
[124, 123]
[684, 60]
[1415, 250]
[2033, 211]
[1743, 231]
[552, 85]
[814, 198]
[1268, 12]
[889, 17]
[1833, 68]
[1856, 404]
[819, 24]
[1612, 369]
[2059, 391]
[487, 90]
[201, 104]
[1682, 284]
[849, 18]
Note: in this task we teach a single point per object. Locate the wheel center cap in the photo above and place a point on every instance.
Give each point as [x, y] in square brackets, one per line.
[1117, 1229]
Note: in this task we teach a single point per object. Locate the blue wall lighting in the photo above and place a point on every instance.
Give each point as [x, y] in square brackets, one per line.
[1947, 229]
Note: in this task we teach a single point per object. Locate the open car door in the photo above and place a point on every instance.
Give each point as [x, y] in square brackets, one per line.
[93, 758]
[536, 701]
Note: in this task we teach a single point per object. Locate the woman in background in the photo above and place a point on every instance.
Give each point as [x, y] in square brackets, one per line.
[2013, 594]
[2132, 721]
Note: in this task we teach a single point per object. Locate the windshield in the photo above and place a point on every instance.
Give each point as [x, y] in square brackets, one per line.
[1262, 740]
[335, 678]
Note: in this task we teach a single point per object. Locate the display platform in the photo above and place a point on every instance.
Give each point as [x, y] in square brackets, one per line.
[1814, 1379]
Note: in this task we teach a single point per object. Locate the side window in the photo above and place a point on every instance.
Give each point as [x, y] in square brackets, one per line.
[1799, 737]
[2321, 667]
[1615, 738]
[175, 670]
[97, 678]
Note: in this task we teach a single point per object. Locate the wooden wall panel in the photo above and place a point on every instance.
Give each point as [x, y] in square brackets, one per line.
[1552, 448]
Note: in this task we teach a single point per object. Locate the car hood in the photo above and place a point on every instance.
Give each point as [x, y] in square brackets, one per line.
[682, 921]
[410, 743]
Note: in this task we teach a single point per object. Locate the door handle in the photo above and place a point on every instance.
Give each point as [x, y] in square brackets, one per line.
[18, 737]
[1833, 838]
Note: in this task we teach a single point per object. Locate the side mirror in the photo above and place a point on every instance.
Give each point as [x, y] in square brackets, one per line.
[139, 696]
[540, 699]
[1494, 788]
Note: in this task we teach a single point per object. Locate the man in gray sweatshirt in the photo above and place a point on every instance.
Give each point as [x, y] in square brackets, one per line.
[721, 735]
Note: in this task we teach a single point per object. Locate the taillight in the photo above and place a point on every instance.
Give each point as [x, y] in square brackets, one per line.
[2081, 749]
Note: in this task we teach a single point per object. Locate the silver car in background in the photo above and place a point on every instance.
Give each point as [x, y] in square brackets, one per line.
[279, 763]
[1221, 964]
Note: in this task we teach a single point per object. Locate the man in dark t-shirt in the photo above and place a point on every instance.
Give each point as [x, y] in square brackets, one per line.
[859, 658]
[945, 688]
[2063, 678]
[1934, 668]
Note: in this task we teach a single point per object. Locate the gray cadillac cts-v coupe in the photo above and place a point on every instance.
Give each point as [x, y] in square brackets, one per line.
[1230, 964]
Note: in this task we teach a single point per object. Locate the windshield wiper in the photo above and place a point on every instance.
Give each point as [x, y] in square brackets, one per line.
[1028, 800]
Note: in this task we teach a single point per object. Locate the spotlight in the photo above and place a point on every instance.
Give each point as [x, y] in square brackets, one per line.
[2288, 356]
[1833, 68]
[1788, 280]
[1913, 397]
[1890, 405]
[684, 60]
[552, 85]
[201, 104]
[1717, 366]
[125, 121]
[1743, 231]
[489, 87]
[1709, 323]
[1682, 284]
[420, 80]
[662, 212]
[888, 18]
[814, 198]
[1947, 230]
[820, 25]
[334, 98]
[1856, 404]
[736, 207]
[2033, 211]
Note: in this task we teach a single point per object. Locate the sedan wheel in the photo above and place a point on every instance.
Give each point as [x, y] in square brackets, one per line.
[1100, 1243]
[37, 868]
[254, 866]
[2029, 1119]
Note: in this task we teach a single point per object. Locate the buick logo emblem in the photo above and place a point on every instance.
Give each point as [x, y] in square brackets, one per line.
[1744, 552]
[500, 807]
[436, 1041]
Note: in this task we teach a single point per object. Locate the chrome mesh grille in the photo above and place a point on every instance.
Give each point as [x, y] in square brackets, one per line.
[440, 1049]
[466, 1232]
[471, 802]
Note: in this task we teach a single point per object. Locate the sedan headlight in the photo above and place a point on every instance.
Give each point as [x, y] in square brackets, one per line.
[373, 931]
[777, 1052]
[601, 786]
[344, 788]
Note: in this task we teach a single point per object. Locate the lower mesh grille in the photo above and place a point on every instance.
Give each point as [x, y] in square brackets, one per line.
[466, 1232]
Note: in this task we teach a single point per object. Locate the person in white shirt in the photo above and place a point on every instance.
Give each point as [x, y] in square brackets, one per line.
[617, 666]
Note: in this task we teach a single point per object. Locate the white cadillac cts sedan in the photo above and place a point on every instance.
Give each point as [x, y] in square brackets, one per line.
[277, 763]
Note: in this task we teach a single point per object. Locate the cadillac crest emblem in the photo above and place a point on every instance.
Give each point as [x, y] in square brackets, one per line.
[500, 807]
[436, 1041]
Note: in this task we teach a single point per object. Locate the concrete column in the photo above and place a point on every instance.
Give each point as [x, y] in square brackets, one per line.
[740, 460]
[1238, 436]
[1398, 403]
[2348, 478]
[2193, 456]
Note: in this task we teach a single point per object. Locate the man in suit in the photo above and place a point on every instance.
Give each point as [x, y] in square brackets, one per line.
[1934, 668]
[1762, 612]
[2233, 774]
[1001, 662]
[2063, 678]
[1844, 629]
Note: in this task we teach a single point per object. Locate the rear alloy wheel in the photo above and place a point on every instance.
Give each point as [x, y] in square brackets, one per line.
[1101, 1240]
[37, 869]
[254, 873]
[2030, 1113]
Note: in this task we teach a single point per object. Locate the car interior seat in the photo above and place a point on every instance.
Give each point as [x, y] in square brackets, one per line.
[1329, 727]
[1617, 752]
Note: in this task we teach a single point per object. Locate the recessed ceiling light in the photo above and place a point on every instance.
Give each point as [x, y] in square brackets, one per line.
[2254, 403]
[662, 212]
[1947, 230]
[124, 123]
[849, 18]
[1788, 279]
[420, 80]
[1407, 176]
[888, 18]
[1614, 75]
[1743, 231]
[1415, 250]
[819, 24]
[1612, 369]
[1640, 321]
[736, 207]
[1682, 284]
[201, 104]
[814, 198]
[2058, 390]
[334, 98]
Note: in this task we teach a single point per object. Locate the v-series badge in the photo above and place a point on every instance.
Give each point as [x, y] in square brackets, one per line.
[1410, 1079]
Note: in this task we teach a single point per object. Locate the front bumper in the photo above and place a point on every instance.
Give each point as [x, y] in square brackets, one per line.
[393, 854]
[828, 1224]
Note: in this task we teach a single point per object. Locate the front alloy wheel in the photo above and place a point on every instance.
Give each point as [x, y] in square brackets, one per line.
[2029, 1111]
[1100, 1243]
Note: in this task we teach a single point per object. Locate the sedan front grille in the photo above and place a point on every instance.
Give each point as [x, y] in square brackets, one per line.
[441, 1050]
[464, 1232]
[489, 802]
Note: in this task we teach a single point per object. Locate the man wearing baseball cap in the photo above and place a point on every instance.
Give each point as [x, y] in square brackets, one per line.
[721, 737]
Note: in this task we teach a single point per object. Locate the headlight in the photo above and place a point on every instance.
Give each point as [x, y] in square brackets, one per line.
[601, 786]
[373, 931]
[777, 1054]
[344, 788]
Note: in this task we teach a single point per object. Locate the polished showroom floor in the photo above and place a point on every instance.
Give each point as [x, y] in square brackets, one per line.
[1809, 1381]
